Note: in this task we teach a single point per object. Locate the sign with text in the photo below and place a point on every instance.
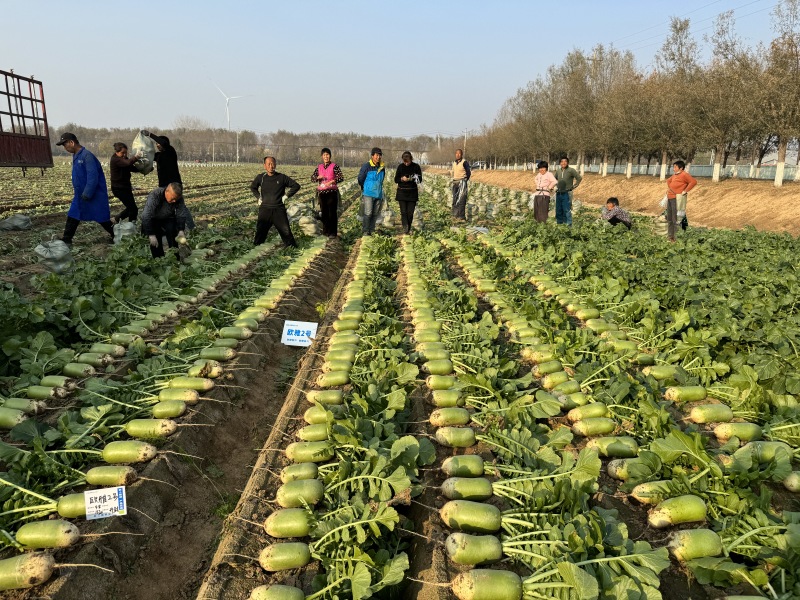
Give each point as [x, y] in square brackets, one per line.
[105, 502]
[298, 333]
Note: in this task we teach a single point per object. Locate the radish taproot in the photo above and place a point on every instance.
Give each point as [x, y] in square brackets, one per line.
[190, 397]
[487, 584]
[711, 413]
[594, 426]
[128, 451]
[150, 428]
[466, 465]
[687, 393]
[299, 493]
[284, 555]
[675, 511]
[309, 452]
[11, 417]
[288, 523]
[26, 570]
[54, 533]
[306, 470]
[316, 432]
[169, 409]
[614, 446]
[111, 475]
[455, 437]
[325, 396]
[689, 544]
[467, 488]
[453, 416]
[471, 517]
[200, 384]
[467, 549]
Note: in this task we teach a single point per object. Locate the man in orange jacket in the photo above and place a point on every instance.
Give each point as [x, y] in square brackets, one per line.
[677, 188]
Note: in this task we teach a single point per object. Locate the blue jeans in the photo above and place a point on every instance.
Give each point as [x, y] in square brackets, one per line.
[370, 210]
[564, 208]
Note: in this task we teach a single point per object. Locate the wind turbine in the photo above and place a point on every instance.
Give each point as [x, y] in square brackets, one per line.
[227, 104]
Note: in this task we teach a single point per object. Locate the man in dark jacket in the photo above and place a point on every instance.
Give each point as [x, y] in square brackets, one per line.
[271, 189]
[121, 168]
[166, 160]
[164, 215]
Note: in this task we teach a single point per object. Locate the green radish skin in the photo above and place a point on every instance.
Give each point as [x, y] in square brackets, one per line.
[688, 393]
[333, 379]
[427, 326]
[467, 488]
[150, 428]
[447, 398]
[316, 432]
[536, 356]
[134, 330]
[765, 452]
[677, 510]
[455, 437]
[689, 544]
[345, 337]
[55, 533]
[427, 335]
[467, 465]
[588, 411]
[169, 410]
[594, 426]
[587, 313]
[346, 325]
[300, 471]
[792, 482]
[341, 355]
[618, 469]
[567, 388]
[246, 323]
[94, 359]
[71, 506]
[651, 492]
[444, 417]
[220, 354]
[254, 312]
[68, 383]
[302, 452]
[331, 366]
[614, 446]
[438, 367]
[624, 346]
[11, 417]
[205, 368]
[284, 555]
[711, 413]
[466, 549]
[546, 368]
[26, 570]
[551, 380]
[440, 382]
[661, 372]
[200, 384]
[297, 494]
[325, 396]
[115, 350]
[288, 523]
[350, 315]
[315, 415]
[41, 392]
[236, 333]
[221, 343]
[124, 339]
[26, 405]
[471, 517]
[129, 451]
[644, 359]
[190, 397]
[746, 432]
[111, 475]
[487, 584]
[570, 401]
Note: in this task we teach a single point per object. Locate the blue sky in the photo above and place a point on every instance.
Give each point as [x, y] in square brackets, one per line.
[381, 68]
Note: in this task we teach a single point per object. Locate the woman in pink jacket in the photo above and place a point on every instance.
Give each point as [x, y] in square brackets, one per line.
[545, 184]
[327, 175]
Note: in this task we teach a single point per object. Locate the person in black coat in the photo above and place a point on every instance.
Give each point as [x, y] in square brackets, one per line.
[165, 215]
[271, 189]
[166, 160]
[407, 177]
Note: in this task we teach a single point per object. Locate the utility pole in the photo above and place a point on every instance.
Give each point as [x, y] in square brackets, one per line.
[465, 141]
[237, 146]
[439, 141]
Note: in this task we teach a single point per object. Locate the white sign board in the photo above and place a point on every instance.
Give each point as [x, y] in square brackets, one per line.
[298, 333]
[105, 502]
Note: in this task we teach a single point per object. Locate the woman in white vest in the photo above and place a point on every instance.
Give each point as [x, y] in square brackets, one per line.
[327, 175]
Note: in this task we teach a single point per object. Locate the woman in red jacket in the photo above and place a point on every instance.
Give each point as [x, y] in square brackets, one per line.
[327, 175]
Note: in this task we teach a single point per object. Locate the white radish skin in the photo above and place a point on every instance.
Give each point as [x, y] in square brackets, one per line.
[25, 571]
[695, 543]
[677, 510]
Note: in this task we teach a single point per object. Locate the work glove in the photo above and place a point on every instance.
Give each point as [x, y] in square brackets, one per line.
[181, 234]
[285, 198]
[153, 241]
[145, 133]
[258, 200]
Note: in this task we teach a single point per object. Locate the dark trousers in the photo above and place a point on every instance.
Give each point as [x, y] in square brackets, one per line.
[672, 217]
[164, 228]
[460, 199]
[72, 226]
[125, 195]
[407, 213]
[616, 220]
[329, 207]
[267, 217]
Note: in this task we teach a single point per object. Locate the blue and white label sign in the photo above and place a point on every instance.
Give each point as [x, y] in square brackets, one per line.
[105, 502]
[298, 333]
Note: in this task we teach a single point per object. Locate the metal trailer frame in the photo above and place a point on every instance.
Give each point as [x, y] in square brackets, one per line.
[24, 134]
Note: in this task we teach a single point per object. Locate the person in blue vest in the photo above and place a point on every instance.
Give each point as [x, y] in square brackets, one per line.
[90, 199]
[370, 179]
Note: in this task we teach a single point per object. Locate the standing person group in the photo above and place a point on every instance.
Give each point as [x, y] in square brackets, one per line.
[327, 176]
[568, 179]
[271, 189]
[407, 177]
[678, 186]
[461, 173]
[370, 180]
[545, 184]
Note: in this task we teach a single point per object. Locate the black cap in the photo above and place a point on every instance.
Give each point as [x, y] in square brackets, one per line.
[376, 150]
[66, 137]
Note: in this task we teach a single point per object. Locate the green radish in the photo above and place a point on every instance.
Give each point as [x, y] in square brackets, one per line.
[26, 405]
[677, 510]
[150, 428]
[333, 379]
[346, 325]
[236, 333]
[568, 401]
[594, 426]
[466, 549]
[26, 570]
[41, 392]
[644, 359]
[288, 523]
[444, 417]
[111, 475]
[55, 533]
[254, 312]
[689, 544]
[315, 415]
[205, 368]
[588, 411]
[567, 388]
[351, 315]
[284, 555]
[551, 380]
[115, 350]
[614, 446]
[200, 384]
[136, 331]
[306, 470]
[546, 368]
[95, 359]
[218, 353]
[190, 397]
[78, 370]
[536, 356]
[427, 335]
[438, 367]
[221, 343]
[624, 346]
[169, 409]
[71, 506]
[613, 334]
[330, 366]
[277, 592]
[11, 417]
[587, 313]
[297, 494]
[325, 396]
[539, 278]
[651, 492]
[68, 383]
[345, 337]
[447, 398]
[746, 432]
[251, 324]
[765, 452]
[301, 452]
[661, 372]
[711, 413]
[427, 325]
[471, 517]
[687, 393]
[618, 469]
[340, 355]
[486, 285]
[487, 584]
[128, 451]
[467, 488]
[124, 339]
[313, 433]
[455, 437]
[792, 482]
[466, 465]
[440, 382]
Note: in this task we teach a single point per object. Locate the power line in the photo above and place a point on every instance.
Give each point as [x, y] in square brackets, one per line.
[659, 25]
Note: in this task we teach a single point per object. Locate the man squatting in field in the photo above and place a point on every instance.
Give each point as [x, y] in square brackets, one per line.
[165, 215]
[615, 215]
[461, 174]
[121, 168]
[370, 179]
[271, 189]
[568, 179]
[90, 198]
[678, 187]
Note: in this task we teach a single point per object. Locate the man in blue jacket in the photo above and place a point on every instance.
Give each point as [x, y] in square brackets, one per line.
[370, 178]
[90, 199]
